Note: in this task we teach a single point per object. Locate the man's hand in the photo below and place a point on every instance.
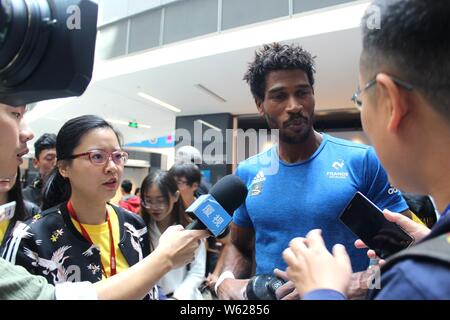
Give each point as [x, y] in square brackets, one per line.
[287, 291]
[210, 281]
[232, 289]
[312, 267]
[360, 284]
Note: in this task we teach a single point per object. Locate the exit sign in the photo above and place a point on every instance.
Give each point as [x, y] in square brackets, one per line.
[133, 124]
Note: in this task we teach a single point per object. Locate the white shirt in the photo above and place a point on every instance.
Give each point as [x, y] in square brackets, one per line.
[183, 283]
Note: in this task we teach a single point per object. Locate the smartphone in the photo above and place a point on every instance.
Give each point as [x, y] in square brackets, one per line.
[367, 221]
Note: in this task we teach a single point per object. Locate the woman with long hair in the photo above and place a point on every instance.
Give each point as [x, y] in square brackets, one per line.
[163, 207]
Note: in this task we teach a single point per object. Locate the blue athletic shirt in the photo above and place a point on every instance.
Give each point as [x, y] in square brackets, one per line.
[288, 200]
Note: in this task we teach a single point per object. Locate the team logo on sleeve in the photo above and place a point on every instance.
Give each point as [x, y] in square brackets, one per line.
[392, 190]
[256, 188]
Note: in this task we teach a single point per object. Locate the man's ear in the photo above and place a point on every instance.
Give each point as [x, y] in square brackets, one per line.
[35, 163]
[395, 100]
[260, 107]
[177, 196]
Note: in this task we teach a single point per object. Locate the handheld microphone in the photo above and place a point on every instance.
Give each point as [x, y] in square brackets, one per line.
[214, 210]
[263, 287]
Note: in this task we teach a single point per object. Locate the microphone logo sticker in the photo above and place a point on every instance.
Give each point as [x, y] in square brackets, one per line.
[218, 220]
[208, 210]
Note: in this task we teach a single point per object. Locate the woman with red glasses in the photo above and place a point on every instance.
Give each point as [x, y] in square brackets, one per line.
[81, 237]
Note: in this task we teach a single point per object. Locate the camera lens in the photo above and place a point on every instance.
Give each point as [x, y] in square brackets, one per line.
[5, 20]
[13, 27]
[23, 38]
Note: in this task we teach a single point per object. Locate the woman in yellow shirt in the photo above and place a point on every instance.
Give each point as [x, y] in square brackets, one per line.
[176, 249]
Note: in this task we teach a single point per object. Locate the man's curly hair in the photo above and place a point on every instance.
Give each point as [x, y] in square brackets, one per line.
[274, 57]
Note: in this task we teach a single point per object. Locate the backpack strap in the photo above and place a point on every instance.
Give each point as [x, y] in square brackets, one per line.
[437, 249]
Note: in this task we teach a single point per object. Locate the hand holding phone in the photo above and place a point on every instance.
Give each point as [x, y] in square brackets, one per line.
[367, 221]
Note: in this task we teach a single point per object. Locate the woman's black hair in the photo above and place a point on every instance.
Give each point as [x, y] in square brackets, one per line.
[167, 185]
[15, 194]
[57, 188]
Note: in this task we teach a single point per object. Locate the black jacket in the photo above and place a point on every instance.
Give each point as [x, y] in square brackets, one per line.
[419, 274]
[33, 192]
[30, 210]
[50, 245]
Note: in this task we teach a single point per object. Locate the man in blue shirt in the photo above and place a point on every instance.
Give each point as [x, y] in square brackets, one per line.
[301, 184]
[405, 98]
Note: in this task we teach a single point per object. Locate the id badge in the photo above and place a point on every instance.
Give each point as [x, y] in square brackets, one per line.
[7, 211]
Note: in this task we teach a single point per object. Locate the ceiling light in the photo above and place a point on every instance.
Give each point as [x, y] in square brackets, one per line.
[210, 92]
[159, 102]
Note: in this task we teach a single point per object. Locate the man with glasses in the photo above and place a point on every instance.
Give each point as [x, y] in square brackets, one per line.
[317, 176]
[405, 76]
[44, 161]
[188, 178]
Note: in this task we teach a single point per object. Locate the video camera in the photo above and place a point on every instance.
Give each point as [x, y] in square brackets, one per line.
[46, 49]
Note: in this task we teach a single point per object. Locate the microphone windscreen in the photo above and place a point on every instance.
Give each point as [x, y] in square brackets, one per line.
[230, 192]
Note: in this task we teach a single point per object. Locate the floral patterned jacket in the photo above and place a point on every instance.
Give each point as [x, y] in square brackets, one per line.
[50, 245]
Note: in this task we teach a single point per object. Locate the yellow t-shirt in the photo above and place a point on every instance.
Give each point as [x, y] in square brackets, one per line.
[100, 237]
[3, 227]
[417, 219]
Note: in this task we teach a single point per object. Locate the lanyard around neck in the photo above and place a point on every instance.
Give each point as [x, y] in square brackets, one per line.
[112, 258]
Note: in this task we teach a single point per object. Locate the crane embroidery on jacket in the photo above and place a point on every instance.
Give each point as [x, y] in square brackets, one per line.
[55, 263]
[89, 252]
[136, 237]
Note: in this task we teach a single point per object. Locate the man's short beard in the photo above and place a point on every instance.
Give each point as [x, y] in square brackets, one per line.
[297, 139]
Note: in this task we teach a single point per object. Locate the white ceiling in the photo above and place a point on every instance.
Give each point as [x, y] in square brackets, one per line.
[336, 79]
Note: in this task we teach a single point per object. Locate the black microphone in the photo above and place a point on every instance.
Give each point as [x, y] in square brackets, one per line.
[228, 194]
[263, 287]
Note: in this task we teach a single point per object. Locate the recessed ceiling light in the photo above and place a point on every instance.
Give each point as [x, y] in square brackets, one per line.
[159, 102]
[210, 92]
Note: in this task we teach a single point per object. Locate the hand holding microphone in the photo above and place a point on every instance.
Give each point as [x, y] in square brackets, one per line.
[211, 214]
[180, 245]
